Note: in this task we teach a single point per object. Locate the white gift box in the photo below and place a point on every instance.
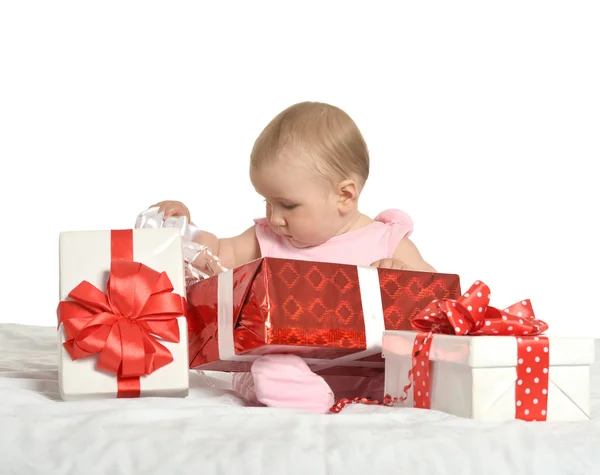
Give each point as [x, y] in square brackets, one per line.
[86, 256]
[476, 377]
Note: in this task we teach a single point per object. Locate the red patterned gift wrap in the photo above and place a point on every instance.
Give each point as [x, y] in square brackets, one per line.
[332, 315]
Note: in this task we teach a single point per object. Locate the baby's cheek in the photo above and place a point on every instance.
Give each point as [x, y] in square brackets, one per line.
[315, 235]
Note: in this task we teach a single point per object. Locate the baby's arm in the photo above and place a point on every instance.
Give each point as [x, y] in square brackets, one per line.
[406, 256]
[407, 252]
[232, 252]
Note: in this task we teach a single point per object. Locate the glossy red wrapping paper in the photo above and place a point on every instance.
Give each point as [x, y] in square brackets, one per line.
[314, 310]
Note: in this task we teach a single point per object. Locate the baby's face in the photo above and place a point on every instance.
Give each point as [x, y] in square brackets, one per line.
[301, 207]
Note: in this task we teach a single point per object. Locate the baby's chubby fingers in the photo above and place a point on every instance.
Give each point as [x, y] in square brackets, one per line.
[172, 208]
[383, 263]
[390, 263]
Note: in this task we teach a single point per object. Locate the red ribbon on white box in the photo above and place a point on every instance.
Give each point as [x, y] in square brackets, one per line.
[370, 294]
[472, 315]
[128, 326]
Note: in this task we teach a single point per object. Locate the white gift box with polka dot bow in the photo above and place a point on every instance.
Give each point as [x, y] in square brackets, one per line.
[476, 377]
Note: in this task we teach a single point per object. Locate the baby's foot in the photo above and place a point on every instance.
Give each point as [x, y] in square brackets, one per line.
[286, 381]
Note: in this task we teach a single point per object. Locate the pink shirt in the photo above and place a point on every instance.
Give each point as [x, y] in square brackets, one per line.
[361, 247]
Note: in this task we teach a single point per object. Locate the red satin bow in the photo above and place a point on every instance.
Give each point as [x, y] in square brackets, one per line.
[121, 325]
[471, 314]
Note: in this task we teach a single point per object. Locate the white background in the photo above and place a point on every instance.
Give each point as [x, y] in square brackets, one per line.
[483, 121]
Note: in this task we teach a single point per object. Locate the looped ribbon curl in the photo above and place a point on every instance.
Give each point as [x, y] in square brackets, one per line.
[192, 251]
[122, 325]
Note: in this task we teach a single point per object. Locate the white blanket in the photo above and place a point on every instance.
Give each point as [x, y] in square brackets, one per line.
[211, 432]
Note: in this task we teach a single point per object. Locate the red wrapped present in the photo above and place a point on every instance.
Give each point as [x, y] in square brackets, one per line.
[331, 315]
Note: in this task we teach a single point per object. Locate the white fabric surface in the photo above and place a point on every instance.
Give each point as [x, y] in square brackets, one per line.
[211, 432]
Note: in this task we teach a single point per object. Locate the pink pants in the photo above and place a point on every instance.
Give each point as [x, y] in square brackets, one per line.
[286, 381]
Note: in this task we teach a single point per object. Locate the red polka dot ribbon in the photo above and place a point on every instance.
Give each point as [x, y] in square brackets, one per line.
[471, 315]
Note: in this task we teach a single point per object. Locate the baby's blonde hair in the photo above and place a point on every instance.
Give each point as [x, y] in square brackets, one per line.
[322, 133]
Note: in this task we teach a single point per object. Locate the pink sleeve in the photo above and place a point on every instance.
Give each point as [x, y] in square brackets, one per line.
[401, 226]
[264, 236]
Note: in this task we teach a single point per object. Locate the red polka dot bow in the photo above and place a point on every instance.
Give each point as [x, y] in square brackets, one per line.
[471, 314]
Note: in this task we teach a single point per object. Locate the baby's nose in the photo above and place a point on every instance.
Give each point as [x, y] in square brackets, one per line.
[277, 220]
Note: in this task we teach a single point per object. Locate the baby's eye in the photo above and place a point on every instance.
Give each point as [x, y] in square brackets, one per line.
[286, 206]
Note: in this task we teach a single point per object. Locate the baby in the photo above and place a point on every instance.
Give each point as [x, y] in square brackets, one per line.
[310, 164]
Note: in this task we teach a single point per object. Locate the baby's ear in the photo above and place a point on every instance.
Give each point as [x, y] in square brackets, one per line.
[348, 193]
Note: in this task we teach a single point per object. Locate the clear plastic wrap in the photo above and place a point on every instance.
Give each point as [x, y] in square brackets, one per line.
[199, 261]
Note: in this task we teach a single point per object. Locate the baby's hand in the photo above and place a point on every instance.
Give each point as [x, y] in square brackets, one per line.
[173, 208]
[391, 264]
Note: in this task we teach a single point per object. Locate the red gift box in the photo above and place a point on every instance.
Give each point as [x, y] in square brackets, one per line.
[331, 315]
